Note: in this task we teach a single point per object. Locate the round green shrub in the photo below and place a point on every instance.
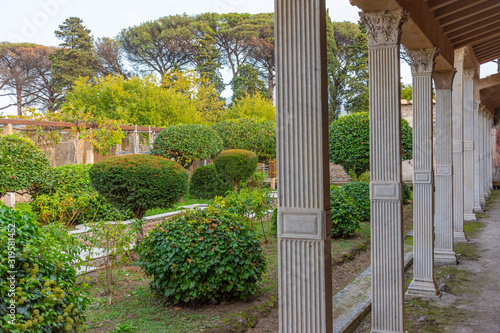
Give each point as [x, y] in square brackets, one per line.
[349, 138]
[23, 167]
[236, 165]
[45, 291]
[139, 182]
[203, 256]
[71, 199]
[207, 184]
[187, 143]
[359, 191]
[345, 217]
[255, 135]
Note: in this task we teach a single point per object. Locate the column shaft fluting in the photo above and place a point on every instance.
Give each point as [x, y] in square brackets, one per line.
[490, 154]
[383, 33]
[482, 164]
[458, 160]
[444, 252]
[477, 153]
[468, 123]
[422, 64]
[304, 219]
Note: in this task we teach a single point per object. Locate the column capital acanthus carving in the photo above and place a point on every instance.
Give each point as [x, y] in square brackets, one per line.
[422, 61]
[477, 105]
[383, 28]
[460, 55]
[468, 73]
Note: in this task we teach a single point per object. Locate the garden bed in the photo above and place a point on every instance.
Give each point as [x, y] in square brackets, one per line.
[135, 309]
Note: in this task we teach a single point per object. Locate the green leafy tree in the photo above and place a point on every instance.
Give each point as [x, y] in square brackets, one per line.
[347, 68]
[187, 143]
[141, 101]
[236, 165]
[161, 45]
[406, 92]
[75, 58]
[251, 134]
[349, 138]
[255, 106]
[23, 167]
[139, 182]
[248, 82]
[109, 58]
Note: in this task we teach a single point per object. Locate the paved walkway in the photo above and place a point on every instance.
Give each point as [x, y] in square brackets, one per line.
[480, 299]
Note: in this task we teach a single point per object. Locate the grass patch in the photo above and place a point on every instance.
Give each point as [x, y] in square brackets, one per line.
[344, 249]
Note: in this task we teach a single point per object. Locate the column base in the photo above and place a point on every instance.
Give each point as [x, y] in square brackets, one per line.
[459, 237]
[445, 257]
[487, 196]
[478, 209]
[482, 201]
[422, 288]
[470, 217]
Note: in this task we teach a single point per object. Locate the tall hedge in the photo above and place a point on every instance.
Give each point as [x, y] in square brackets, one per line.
[23, 167]
[206, 183]
[187, 143]
[255, 135]
[350, 142]
[139, 182]
[236, 165]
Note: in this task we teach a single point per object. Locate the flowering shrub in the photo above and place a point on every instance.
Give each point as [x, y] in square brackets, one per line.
[203, 256]
[43, 289]
[350, 142]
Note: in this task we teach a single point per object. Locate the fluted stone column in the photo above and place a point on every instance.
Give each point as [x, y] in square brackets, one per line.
[458, 160]
[10, 197]
[444, 252]
[469, 144]
[490, 154]
[422, 66]
[384, 33]
[482, 165]
[477, 153]
[304, 219]
[486, 148]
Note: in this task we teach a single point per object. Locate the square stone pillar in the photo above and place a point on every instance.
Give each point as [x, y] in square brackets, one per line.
[422, 66]
[458, 159]
[482, 153]
[304, 218]
[478, 136]
[444, 252]
[387, 256]
[468, 123]
[490, 154]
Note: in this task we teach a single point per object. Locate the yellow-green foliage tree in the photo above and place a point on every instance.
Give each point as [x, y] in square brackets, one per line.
[177, 99]
[252, 106]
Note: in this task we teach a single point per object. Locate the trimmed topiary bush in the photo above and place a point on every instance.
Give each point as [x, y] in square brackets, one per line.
[236, 165]
[44, 289]
[350, 142]
[187, 143]
[23, 167]
[71, 199]
[360, 193]
[345, 217]
[207, 184]
[202, 256]
[139, 182]
[255, 135]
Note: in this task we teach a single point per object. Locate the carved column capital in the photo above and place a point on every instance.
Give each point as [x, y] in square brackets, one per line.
[460, 55]
[477, 105]
[383, 28]
[422, 61]
[468, 73]
[443, 80]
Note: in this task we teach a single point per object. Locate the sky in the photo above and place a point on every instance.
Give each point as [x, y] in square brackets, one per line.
[36, 20]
